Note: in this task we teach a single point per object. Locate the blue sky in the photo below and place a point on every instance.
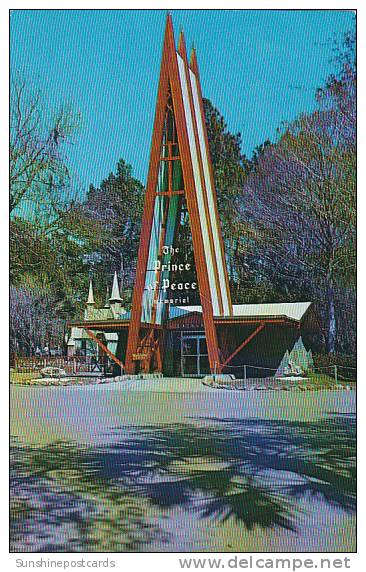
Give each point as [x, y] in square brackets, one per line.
[259, 68]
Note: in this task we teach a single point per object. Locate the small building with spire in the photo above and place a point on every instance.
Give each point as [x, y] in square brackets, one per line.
[80, 343]
[115, 300]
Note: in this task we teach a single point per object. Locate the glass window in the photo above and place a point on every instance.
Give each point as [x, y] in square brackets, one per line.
[194, 355]
[203, 346]
[189, 346]
[163, 177]
[177, 176]
[175, 150]
[190, 365]
[204, 366]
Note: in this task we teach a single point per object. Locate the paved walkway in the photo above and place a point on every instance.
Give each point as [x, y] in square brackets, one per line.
[210, 470]
[166, 384]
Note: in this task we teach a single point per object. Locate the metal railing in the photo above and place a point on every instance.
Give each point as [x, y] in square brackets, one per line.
[76, 365]
[249, 372]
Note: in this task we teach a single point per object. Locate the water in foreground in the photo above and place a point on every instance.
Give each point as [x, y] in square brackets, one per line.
[174, 466]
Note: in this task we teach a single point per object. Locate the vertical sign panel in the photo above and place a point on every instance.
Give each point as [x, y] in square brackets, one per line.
[199, 190]
[212, 213]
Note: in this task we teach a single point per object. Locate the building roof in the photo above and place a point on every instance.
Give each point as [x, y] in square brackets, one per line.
[98, 314]
[291, 310]
[80, 334]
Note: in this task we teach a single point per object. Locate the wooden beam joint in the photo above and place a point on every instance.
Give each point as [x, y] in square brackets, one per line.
[104, 347]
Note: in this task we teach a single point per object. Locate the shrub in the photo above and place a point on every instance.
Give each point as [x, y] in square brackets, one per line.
[346, 365]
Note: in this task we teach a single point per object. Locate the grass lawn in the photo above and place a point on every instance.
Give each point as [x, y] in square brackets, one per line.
[22, 378]
[324, 381]
[174, 466]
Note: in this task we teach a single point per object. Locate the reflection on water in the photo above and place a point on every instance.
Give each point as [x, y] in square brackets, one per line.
[114, 498]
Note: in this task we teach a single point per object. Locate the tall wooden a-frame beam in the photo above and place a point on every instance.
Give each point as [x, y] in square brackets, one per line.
[180, 167]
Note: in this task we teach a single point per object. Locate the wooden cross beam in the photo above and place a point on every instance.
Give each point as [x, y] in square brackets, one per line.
[146, 339]
[159, 360]
[104, 348]
[244, 343]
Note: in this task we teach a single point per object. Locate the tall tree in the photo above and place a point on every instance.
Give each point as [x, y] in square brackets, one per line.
[46, 235]
[114, 210]
[299, 202]
[230, 168]
[40, 180]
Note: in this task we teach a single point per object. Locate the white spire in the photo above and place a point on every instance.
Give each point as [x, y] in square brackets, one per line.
[115, 296]
[91, 294]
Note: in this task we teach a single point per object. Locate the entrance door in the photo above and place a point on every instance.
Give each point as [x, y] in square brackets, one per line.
[194, 355]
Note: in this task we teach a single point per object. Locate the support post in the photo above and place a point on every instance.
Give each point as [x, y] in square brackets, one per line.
[245, 373]
[335, 374]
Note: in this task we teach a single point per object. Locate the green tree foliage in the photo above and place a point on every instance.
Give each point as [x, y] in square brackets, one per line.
[287, 214]
[230, 168]
[49, 279]
[46, 234]
[114, 212]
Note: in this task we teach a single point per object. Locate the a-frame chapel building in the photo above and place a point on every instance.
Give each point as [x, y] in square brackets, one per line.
[182, 321]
